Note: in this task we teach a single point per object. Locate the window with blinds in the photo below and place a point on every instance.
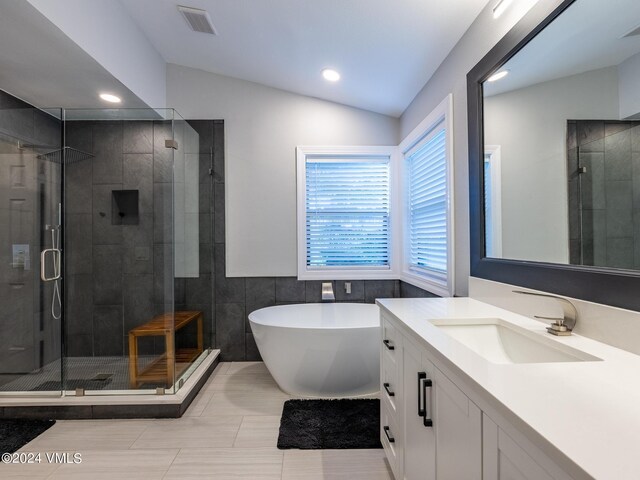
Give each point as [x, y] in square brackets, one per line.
[347, 204]
[427, 205]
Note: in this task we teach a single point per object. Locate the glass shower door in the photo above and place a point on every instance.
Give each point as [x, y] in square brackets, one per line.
[119, 244]
[30, 252]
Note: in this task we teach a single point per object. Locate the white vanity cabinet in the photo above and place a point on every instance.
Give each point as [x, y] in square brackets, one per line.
[458, 427]
[419, 439]
[505, 459]
[391, 396]
[436, 429]
[494, 417]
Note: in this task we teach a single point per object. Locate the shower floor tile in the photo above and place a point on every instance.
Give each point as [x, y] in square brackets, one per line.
[80, 372]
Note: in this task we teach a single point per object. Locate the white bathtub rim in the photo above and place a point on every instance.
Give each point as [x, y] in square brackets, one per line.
[374, 323]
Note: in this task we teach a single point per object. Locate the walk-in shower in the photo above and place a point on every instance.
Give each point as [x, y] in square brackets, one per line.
[99, 215]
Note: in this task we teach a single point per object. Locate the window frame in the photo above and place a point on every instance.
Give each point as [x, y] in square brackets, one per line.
[346, 273]
[445, 287]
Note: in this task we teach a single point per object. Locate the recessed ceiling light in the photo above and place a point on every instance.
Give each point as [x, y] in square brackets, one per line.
[500, 7]
[107, 97]
[498, 76]
[330, 74]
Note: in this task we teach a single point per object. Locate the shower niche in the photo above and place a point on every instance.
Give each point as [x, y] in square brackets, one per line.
[124, 207]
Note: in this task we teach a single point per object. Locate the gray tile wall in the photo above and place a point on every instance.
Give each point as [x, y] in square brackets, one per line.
[603, 227]
[234, 336]
[119, 276]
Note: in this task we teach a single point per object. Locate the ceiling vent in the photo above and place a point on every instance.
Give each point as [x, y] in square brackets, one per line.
[198, 20]
[635, 31]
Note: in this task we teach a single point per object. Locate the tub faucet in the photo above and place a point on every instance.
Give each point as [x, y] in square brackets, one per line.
[560, 326]
[327, 292]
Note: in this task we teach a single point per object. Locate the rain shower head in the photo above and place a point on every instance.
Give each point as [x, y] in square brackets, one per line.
[67, 155]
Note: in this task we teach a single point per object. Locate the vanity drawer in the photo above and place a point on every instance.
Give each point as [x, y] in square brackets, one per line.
[390, 338]
[390, 387]
[391, 438]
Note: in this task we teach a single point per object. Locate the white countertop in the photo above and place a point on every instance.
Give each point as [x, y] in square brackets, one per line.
[589, 411]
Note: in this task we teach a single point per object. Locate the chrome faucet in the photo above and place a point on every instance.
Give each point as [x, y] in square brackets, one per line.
[327, 292]
[560, 326]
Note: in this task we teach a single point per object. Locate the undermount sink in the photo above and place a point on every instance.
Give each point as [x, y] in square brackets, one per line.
[499, 341]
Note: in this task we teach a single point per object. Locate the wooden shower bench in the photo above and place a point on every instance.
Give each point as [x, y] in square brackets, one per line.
[171, 363]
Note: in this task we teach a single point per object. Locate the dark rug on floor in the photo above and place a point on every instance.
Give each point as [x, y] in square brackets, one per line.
[72, 384]
[330, 424]
[16, 433]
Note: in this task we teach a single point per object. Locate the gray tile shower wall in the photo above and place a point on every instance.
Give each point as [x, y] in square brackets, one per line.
[23, 121]
[119, 275]
[235, 297]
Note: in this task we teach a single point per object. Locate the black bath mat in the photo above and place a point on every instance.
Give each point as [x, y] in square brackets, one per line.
[330, 424]
[16, 433]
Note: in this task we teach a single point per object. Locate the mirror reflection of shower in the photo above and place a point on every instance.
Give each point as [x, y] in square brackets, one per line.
[604, 193]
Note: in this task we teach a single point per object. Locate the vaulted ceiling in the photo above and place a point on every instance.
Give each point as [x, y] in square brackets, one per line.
[384, 50]
[61, 52]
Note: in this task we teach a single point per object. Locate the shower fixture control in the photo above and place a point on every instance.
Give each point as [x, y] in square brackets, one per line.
[21, 256]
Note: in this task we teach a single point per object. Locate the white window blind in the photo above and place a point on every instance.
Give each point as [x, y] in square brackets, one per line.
[427, 204]
[347, 212]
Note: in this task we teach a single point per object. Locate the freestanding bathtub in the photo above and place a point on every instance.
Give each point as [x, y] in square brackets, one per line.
[328, 350]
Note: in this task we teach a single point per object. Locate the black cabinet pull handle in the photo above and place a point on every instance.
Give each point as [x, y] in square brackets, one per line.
[389, 392]
[389, 437]
[388, 345]
[421, 401]
[426, 383]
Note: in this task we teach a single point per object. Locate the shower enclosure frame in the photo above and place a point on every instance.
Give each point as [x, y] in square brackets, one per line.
[65, 338]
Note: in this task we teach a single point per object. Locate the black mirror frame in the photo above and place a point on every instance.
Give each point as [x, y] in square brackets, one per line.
[620, 288]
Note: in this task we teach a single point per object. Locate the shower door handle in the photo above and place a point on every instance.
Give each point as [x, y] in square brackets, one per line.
[55, 256]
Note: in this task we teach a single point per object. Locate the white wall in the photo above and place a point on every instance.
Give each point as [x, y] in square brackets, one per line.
[105, 30]
[263, 126]
[530, 125]
[629, 73]
[450, 77]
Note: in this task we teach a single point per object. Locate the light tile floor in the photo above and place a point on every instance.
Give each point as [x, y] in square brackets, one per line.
[229, 432]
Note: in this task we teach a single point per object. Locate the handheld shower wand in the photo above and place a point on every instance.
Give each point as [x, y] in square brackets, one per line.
[56, 254]
[55, 299]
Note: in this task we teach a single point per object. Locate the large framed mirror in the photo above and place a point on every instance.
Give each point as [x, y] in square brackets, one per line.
[554, 152]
